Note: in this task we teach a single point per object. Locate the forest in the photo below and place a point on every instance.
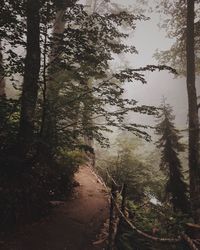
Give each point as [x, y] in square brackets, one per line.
[99, 125]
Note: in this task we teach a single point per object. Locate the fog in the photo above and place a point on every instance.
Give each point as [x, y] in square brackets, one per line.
[147, 38]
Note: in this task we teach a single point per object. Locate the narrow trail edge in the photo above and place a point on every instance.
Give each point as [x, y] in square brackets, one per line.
[74, 224]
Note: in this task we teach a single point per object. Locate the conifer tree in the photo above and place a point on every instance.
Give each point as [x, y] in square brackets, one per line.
[168, 143]
[182, 24]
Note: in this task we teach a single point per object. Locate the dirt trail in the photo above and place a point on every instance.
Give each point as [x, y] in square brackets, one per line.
[74, 224]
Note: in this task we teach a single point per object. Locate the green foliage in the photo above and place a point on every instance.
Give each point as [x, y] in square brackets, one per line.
[9, 119]
[25, 192]
[126, 165]
[27, 196]
[173, 20]
[85, 96]
[159, 221]
[62, 172]
[79, 96]
[78, 74]
[144, 195]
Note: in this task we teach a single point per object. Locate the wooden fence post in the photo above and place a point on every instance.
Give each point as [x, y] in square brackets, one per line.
[123, 204]
[112, 217]
[123, 208]
[192, 235]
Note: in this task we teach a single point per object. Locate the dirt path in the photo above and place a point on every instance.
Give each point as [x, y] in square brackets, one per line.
[74, 224]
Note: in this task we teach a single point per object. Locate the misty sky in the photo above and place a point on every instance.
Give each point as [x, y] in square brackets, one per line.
[147, 38]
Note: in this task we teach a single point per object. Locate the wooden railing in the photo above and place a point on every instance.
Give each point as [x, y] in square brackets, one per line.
[118, 216]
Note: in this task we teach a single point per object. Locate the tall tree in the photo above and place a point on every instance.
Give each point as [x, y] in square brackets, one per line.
[174, 20]
[79, 82]
[184, 56]
[170, 163]
[55, 58]
[194, 163]
[31, 73]
[2, 80]
[80, 57]
[51, 88]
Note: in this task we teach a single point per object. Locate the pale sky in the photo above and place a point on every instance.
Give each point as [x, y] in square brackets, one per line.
[147, 38]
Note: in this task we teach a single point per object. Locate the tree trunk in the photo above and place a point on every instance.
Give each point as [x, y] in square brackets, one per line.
[52, 89]
[194, 168]
[2, 80]
[31, 74]
[87, 116]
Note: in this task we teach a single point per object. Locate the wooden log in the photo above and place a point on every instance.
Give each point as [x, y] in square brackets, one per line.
[120, 222]
[189, 242]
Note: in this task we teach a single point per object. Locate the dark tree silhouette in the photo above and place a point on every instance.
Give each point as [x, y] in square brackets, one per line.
[170, 163]
[2, 80]
[31, 74]
[194, 165]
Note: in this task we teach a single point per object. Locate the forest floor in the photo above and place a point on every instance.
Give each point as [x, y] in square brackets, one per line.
[73, 225]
